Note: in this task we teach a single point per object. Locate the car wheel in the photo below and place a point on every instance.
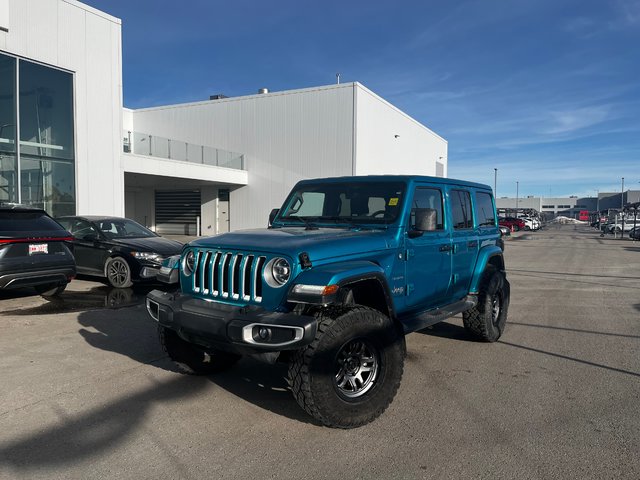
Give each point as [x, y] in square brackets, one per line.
[527, 228]
[49, 290]
[191, 359]
[351, 371]
[486, 321]
[118, 272]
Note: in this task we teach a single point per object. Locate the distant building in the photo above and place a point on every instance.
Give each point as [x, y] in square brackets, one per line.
[551, 207]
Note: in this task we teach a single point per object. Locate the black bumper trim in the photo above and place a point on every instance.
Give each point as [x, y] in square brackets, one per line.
[37, 277]
[217, 325]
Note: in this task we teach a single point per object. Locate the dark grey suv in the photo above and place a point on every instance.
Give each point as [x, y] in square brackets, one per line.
[34, 251]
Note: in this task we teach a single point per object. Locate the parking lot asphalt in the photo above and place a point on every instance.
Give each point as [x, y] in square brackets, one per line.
[86, 391]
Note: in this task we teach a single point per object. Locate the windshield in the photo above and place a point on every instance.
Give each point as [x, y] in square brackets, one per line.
[344, 203]
[122, 228]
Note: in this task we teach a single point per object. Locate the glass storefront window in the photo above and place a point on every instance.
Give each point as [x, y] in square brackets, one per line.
[45, 154]
[8, 164]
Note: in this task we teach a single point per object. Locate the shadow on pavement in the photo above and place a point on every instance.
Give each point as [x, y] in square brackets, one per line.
[93, 432]
[131, 332]
[577, 330]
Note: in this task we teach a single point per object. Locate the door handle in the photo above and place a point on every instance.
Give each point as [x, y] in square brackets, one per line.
[445, 248]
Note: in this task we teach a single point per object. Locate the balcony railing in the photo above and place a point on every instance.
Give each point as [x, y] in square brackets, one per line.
[154, 146]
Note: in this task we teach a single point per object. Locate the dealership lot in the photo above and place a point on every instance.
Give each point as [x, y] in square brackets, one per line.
[86, 391]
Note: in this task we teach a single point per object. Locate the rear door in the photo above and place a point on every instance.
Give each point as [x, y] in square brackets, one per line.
[89, 250]
[428, 257]
[464, 238]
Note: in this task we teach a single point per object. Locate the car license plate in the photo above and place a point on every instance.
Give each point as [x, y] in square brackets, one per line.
[35, 248]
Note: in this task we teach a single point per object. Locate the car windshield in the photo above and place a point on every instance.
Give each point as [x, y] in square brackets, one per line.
[343, 204]
[123, 228]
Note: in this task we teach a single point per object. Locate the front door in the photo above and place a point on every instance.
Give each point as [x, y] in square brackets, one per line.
[223, 211]
[428, 256]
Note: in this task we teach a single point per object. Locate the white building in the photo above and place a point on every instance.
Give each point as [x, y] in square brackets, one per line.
[221, 164]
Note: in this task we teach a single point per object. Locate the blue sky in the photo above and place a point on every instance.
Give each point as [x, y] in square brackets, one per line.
[548, 92]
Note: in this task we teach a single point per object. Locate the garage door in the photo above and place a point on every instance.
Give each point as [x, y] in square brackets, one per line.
[177, 211]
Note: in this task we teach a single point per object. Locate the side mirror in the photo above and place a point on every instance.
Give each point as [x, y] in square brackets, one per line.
[426, 219]
[273, 215]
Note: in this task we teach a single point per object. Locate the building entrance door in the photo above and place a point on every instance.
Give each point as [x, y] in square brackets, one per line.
[223, 211]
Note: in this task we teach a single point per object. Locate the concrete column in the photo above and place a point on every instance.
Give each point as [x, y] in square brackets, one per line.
[209, 199]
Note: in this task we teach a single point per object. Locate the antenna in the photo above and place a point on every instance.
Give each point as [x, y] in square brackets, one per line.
[338, 77]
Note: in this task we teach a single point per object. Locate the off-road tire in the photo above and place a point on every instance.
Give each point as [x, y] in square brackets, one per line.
[191, 359]
[483, 321]
[314, 368]
[50, 290]
[118, 272]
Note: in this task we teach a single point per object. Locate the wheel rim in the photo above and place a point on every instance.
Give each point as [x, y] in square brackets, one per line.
[357, 367]
[118, 273]
[495, 309]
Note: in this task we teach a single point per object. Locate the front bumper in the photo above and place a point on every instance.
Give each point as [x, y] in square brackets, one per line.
[230, 328]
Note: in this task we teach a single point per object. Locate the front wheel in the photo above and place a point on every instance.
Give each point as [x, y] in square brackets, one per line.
[118, 272]
[350, 373]
[191, 359]
[486, 321]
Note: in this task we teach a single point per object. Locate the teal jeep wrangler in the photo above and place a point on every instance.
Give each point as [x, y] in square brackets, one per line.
[344, 271]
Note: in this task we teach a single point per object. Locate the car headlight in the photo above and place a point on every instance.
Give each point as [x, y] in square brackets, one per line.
[188, 263]
[148, 256]
[277, 272]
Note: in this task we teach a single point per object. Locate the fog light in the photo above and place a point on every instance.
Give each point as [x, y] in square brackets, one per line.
[264, 333]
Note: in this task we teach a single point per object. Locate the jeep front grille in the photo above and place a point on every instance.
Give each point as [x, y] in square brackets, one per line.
[227, 275]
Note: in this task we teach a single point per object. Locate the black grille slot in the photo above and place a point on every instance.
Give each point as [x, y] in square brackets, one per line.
[258, 277]
[235, 277]
[246, 277]
[215, 274]
[224, 289]
[197, 285]
[206, 272]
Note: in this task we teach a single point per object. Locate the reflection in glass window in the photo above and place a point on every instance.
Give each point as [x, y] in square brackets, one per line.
[8, 164]
[47, 170]
[461, 209]
[427, 198]
[484, 210]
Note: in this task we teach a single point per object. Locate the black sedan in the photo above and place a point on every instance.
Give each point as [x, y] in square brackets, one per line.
[34, 251]
[117, 248]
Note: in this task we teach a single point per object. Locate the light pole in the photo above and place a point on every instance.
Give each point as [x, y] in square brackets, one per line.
[495, 182]
[622, 195]
[517, 193]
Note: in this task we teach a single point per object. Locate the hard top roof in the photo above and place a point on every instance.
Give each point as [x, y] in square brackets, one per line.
[397, 178]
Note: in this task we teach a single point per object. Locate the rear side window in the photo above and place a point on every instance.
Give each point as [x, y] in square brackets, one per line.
[461, 209]
[484, 210]
[17, 221]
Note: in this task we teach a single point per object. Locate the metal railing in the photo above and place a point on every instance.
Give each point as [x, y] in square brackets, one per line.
[161, 147]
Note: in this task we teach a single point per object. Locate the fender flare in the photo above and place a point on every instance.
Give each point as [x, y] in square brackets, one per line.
[342, 275]
[486, 256]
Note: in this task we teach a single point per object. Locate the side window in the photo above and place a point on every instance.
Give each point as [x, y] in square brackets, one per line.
[485, 216]
[80, 228]
[461, 209]
[424, 197]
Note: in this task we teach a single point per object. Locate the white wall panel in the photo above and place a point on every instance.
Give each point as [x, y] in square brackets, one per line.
[4, 22]
[285, 137]
[378, 151]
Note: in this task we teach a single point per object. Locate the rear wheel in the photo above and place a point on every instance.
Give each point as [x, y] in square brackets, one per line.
[351, 371]
[50, 289]
[192, 359]
[486, 321]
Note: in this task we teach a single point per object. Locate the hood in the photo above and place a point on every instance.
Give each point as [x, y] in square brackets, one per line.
[163, 246]
[319, 244]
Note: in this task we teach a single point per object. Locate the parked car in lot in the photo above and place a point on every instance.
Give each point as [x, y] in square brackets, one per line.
[513, 223]
[635, 233]
[35, 251]
[117, 248]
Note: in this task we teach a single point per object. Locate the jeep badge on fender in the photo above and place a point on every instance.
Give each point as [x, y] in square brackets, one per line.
[347, 268]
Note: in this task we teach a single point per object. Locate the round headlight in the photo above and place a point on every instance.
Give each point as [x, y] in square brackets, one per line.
[280, 270]
[188, 263]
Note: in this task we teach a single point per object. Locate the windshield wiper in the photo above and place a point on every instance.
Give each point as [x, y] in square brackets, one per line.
[307, 224]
